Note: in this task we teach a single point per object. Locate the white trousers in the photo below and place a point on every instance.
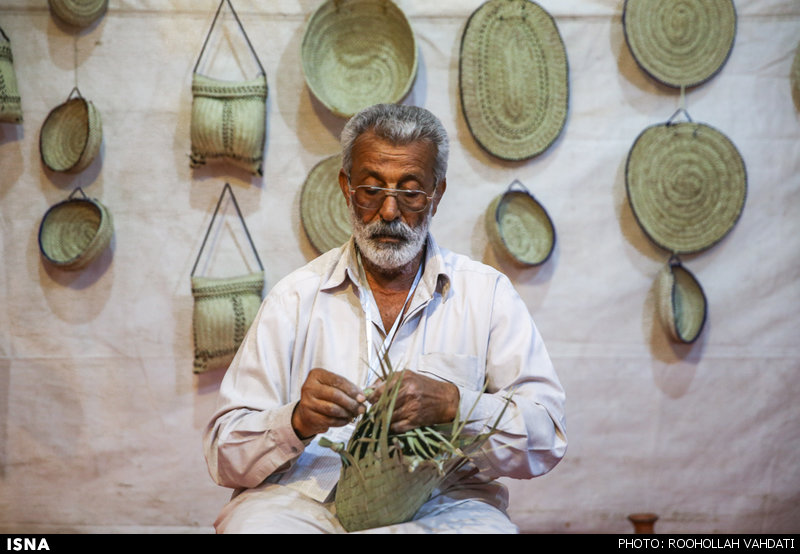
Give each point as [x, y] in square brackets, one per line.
[277, 509]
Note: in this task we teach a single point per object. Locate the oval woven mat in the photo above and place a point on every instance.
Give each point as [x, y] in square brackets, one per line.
[356, 53]
[686, 184]
[513, 78]
[323, 208]
[680, 42]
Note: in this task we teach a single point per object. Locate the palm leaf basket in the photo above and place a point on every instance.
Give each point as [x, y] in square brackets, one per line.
[386, 477]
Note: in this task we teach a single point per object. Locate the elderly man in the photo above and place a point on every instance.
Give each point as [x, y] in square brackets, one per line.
[454, 324]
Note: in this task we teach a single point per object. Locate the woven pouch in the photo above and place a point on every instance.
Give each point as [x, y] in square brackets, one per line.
[519, 227]
[513, 78]
[229, 117]
[356, 53]
[681, 302]
[75, 232]
[79, 13]
[224, 307]
[10, 102]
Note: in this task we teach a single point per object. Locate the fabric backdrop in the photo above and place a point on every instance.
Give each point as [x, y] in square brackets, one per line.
[101, 417]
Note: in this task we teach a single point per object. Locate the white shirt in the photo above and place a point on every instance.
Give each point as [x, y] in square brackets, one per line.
[465, 324]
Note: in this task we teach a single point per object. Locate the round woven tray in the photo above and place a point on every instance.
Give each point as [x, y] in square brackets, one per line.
[356, 53]
[71, 136]
[323, 208]
[75, 232]
[682, 303]
[519, 227]
[513, 78]
[680, 42]
[80, 13]
[686, 184]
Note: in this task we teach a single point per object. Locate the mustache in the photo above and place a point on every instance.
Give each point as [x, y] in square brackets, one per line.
[395, 229]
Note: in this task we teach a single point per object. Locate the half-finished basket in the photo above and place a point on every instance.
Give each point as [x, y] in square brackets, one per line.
[356, 53]
[75, 232]
[71, 135]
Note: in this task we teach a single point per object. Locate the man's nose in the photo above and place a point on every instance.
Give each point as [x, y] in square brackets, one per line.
[389, 209]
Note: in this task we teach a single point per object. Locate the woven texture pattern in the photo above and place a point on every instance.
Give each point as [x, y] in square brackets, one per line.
[519, 227]
[686, 184]
[513, 78]
[229, 122]
[381, 493]
[323, 208]
[680, 42]
[224, 308]
[10, 102]
[75, 232]
[71, 136]
[356, 53]
[80, 13]
[681, 303]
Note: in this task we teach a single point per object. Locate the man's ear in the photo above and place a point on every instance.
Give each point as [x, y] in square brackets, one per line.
[344, 185]
[437, 195]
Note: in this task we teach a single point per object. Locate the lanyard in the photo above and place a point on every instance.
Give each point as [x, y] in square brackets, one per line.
[366, 303]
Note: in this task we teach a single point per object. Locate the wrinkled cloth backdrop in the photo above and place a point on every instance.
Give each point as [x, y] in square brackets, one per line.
[101, 416]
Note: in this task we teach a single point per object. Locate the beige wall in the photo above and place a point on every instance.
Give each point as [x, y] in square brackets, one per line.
[101, 417]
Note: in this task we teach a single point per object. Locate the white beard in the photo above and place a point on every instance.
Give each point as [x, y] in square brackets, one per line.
[389, 256]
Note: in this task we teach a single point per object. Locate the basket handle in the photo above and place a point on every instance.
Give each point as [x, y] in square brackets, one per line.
[677, 112]
[241, 27]
[518, 183]
[228, 188]
[77, 189]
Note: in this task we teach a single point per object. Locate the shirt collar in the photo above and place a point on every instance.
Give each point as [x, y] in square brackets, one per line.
[434, 278]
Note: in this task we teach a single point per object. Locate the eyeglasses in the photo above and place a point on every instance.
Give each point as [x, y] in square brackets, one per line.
[371, 198]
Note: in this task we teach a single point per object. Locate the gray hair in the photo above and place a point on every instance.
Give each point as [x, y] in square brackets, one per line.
[401, 125]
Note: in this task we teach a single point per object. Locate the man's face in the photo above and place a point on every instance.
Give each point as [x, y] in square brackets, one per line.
[389, 236]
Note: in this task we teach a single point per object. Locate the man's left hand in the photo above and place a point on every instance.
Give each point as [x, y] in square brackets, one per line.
[420, 401]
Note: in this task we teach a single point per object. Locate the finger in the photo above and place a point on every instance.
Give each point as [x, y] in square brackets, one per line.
[332, 380]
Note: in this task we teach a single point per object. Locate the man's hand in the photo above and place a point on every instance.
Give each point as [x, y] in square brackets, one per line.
[326, 400]
[420, 401]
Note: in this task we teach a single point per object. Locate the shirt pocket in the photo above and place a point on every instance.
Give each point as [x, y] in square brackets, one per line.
[460, 369]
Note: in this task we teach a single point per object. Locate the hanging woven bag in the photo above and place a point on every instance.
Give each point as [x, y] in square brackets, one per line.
[10, 102]
[229, 117]
[224, 307]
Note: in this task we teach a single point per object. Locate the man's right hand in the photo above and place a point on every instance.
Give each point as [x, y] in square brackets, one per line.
[326, 400]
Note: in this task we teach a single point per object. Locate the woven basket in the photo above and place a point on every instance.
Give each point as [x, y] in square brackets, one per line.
[519, 227]
[686, 184]
[80, 13]
[224, 309]
[382, 493]
[680, 42]
[10, 102]
[513, 78]
[681, 302]
[229, 122]
[75, 232]
[71, 135]
[356, 53]
[323, 208]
